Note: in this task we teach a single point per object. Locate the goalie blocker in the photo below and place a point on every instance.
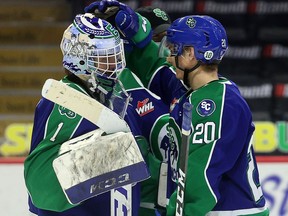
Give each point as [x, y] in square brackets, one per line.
[94, 163]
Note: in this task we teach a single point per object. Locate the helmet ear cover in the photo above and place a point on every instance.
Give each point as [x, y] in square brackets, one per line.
[205, 34]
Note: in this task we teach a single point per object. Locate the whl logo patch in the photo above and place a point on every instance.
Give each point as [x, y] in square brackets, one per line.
[144, 107]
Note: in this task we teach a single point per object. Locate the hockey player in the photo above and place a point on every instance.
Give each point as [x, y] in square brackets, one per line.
[222, 176]
[93, 58]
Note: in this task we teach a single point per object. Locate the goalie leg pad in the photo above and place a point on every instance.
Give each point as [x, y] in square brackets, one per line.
[81, 141]
[108, 162]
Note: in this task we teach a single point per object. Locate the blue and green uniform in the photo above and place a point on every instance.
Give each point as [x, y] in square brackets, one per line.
[147, 117]
[53, 125]
[222, 176]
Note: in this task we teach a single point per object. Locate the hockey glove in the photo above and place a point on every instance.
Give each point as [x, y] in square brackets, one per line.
[102, 9]
[106, 8]
[134, 28]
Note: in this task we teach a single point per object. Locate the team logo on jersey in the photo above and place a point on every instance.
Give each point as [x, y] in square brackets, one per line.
[174, 135]
[67, 112]
[159, 139]
[206, 107]
[144, 107]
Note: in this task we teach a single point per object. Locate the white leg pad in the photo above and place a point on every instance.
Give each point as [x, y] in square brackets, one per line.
[99, 164]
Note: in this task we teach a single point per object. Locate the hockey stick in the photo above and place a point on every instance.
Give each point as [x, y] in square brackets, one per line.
[84, 105]
[186, 129]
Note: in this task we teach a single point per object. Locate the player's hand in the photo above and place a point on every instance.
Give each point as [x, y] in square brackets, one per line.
[127, 21]
[103, 9]
[125, 18]
[101, 6]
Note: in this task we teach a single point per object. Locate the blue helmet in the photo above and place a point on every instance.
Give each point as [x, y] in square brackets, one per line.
[205, 34]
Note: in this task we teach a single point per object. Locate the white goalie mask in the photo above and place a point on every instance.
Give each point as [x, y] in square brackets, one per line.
[92, 47]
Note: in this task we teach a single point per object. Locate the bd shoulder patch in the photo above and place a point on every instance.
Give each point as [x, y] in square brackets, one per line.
[206, 107]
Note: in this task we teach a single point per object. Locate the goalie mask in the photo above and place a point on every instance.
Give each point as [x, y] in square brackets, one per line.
[92, 50]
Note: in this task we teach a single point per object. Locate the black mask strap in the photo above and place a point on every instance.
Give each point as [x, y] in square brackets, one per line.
[186, 71]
